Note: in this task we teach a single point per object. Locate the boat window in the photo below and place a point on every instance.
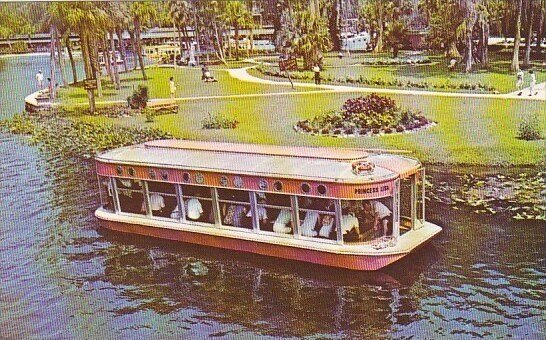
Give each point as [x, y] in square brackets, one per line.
[406, 206]
[420, 193]
[106, 192]
[366, 220]
[234, 208]
[197, 203]
[274, 212]
[131, 196]
[162, 198]
[317, 217]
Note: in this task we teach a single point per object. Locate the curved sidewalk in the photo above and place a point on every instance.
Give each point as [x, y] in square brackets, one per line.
[243, 75]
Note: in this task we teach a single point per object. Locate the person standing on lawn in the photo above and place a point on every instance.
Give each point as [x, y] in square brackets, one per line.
[172, 86]
[316, 69]
[40, 80]
[519, 82]
[532, 83]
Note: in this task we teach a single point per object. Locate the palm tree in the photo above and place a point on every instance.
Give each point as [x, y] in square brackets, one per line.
[395, 37]
[517, 38]
[181, 16]
[237, 16]
[310, 38]
[142, 13]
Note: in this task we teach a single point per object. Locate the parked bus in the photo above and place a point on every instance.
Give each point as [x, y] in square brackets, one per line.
[344, 208]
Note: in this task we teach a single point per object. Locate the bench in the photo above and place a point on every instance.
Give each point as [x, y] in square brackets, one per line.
[163, 107]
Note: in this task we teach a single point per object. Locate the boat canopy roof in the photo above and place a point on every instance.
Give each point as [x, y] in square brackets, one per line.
[307, 163]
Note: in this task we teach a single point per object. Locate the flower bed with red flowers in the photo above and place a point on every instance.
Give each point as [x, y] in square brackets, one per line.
[365, 116]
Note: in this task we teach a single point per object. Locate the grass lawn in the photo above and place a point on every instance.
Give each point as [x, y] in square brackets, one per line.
[188, 82]
[498, 75]
[469, 131]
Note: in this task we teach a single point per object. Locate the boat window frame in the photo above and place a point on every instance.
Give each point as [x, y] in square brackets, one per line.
[255, 217]
[336, 213]
[175, 195]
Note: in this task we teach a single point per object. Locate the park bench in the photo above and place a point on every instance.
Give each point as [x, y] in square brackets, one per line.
[163, 107]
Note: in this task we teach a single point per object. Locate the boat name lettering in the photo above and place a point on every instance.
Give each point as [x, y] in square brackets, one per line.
[372, 190]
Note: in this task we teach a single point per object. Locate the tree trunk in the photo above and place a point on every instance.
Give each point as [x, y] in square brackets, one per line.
[115, 64]
[133, 42]
[71, 57]
[179, 31]
[87, 67]
[107, 59]
[380, 32]
[60, 58]
[334, 25]
[229, 43]
[95, 66]
[236, 28]
[517, 38]
[540, 28]
[52, 63]
[123, 49]
[139, 49]
[220, 48]
[529, 34]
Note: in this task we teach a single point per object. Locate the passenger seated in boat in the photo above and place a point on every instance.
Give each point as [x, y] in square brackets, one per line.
[194, 209]
[309, 224]
[262, 212]
[327, 226]
[234, 215]
[350, 227]
[157, 203]
[381, 217]
[281, 223]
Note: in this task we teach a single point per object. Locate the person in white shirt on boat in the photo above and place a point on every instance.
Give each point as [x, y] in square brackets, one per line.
[380, 214]
[157, 203]
[194, 209]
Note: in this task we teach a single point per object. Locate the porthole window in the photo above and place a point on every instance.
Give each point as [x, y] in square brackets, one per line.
[263, 184]
[321, 189]
[152, 174]
[119, 170]
[131, 172]
[306, 188]
[186, 177]
[199, 178]
[164, 175]
[277, 185]
[224, 181]
[238, 182]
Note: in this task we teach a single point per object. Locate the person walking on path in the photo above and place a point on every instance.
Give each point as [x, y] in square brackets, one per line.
[532, 83]
[519, 82]
[40, 80]
[316, 69]
[172, 87]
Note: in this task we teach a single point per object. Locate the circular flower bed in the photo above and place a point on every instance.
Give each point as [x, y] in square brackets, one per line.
[365, 116]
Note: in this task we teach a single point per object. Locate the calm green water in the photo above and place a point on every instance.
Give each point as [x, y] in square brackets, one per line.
[65, 277]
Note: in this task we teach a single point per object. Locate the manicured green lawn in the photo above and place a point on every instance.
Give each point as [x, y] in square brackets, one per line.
[437, 73]
[469, 131]
[188, 82]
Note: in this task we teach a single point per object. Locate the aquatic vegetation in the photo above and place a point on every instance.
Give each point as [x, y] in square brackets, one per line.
[71, 138]
[529, 128]
[521, 196]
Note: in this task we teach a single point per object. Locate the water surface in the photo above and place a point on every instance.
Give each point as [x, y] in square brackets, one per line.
[65, 277]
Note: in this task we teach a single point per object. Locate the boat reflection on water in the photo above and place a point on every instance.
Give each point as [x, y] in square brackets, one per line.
[265, 295]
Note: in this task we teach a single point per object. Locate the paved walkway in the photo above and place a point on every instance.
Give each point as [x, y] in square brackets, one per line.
[243, 75]
[539, 92]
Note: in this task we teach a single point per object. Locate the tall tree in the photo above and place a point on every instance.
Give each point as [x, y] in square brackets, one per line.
[467, 29]
[237, 16]
[517, 37]
[531, 9]
[142, 13]
[309, 37]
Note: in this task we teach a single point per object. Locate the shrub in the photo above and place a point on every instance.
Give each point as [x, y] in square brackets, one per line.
[149, 114]
[364, 114]
[219, 121]
[529, 129]
[139, 98]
